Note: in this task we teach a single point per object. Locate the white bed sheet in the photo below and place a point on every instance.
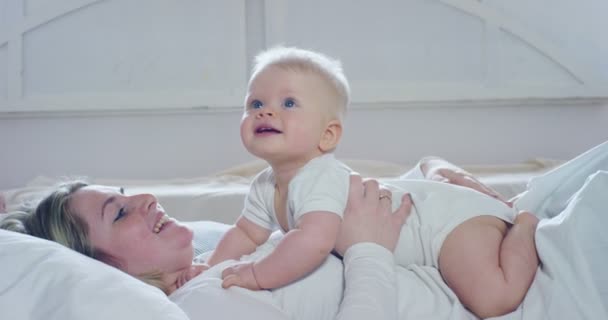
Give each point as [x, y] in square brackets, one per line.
[573, 248]
[571, 240]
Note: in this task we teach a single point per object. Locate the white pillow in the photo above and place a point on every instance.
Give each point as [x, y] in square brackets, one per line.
[44, 280]
[206, 234]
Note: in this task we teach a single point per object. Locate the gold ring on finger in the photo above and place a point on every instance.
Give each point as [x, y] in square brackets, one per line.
[384, 196]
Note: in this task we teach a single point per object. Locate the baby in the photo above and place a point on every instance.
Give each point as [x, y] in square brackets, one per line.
[294, 107]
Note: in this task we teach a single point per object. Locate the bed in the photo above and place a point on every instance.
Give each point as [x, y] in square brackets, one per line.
[44, 280]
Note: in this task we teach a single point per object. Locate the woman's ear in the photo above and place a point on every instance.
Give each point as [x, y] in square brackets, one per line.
[331, 136]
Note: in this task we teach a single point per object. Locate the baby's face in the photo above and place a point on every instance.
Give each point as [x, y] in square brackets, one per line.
[286, 114]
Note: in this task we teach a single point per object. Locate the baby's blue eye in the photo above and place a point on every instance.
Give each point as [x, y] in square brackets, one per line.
[289, 103]
[256, 104]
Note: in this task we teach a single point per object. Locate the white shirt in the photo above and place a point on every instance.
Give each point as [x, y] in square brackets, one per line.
[320, 185]
[370, 292]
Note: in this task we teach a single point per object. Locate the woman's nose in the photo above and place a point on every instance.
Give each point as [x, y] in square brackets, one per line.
[145, 202]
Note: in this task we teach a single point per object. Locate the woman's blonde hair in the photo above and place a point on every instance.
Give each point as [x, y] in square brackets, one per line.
[52, 219]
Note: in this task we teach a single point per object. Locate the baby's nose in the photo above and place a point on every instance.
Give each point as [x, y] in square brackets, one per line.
[265, 113]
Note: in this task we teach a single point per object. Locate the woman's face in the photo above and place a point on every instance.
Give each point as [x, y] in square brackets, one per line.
[134, 229]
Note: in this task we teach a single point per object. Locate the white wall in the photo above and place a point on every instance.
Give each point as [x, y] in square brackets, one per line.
[413, 65]
[162, 146]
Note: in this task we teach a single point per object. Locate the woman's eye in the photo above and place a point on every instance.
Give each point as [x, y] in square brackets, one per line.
[121, 213]
[256, 104]
[289, 103]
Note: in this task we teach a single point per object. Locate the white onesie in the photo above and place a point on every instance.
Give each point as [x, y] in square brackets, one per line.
[321, 185]
[438, 208]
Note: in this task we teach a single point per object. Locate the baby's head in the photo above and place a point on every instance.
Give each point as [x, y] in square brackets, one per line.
[312, 64]
[295, 103]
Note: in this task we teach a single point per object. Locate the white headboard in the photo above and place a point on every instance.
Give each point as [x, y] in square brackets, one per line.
[159, 54]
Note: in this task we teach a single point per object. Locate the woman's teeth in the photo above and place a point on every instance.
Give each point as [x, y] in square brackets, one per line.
[160, 223]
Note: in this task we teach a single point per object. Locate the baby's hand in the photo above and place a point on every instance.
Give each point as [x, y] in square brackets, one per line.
[240, 275]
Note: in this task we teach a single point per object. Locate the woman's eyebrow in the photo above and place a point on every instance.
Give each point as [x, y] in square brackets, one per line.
[110, 200]
[106, 203]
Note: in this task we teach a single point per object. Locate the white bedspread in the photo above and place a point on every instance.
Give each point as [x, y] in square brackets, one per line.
[571, 240]
[573, 248]
[572, 244]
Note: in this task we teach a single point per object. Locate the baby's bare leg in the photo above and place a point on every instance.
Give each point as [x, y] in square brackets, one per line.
[489, 266]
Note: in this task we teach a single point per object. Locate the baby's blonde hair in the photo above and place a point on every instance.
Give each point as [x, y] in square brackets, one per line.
[292, 58]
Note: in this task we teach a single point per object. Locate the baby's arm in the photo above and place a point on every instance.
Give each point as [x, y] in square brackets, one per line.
[299, 252]
[243, 238]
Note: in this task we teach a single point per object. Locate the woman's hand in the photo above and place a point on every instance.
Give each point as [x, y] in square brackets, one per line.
[368, 216]
[440, 170]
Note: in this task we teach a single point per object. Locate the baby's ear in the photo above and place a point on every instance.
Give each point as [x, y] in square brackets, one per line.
[331, 136]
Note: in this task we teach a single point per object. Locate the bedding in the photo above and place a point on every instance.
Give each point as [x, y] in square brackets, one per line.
[44, 280]
[572, 246]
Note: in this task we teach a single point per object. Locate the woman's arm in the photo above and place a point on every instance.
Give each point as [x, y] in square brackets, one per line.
[367, 239]
[371, 283]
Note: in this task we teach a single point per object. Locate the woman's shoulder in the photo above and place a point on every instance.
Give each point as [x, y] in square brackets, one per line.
[204, 297]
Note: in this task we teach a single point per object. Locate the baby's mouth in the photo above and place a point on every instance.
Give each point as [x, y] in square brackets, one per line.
[267, 130]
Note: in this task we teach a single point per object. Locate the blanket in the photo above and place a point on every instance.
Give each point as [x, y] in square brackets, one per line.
[571, 242]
